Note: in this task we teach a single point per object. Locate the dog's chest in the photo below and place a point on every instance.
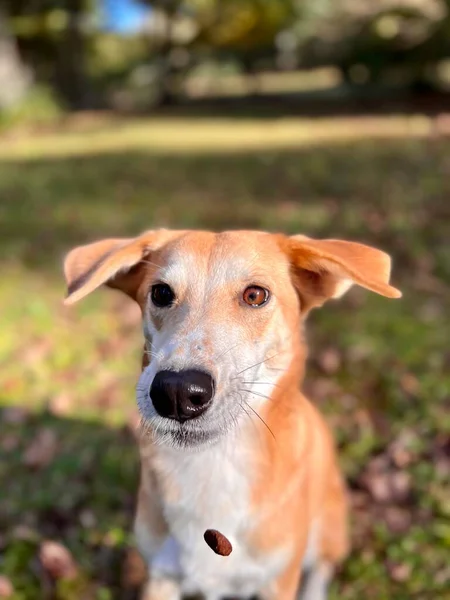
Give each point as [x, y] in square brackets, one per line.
[212, 490]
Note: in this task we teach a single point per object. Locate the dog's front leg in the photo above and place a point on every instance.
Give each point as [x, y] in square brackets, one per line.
[286, 586]
[161, 588]
[157, 547]
[164, 573]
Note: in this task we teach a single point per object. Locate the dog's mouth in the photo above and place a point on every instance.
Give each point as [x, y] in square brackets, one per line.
[191, 439]
[179, 435]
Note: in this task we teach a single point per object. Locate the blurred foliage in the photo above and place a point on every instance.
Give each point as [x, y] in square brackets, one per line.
[38, 106]
[382, 42]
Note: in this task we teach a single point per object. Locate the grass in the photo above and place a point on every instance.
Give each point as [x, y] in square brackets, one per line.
[378, 368]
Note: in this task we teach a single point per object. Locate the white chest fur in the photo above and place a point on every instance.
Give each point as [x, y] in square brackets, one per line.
[211, 489]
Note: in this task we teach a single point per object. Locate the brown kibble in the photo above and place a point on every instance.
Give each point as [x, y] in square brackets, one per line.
[218, 542]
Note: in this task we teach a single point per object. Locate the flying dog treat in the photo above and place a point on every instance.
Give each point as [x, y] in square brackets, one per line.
[218, 542]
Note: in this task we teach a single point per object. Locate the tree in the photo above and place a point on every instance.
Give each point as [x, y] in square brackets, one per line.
[15, 77]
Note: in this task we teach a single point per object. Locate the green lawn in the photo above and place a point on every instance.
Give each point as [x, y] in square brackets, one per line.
[380, 369]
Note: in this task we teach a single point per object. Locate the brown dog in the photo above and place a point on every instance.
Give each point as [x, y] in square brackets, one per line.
[228, 440]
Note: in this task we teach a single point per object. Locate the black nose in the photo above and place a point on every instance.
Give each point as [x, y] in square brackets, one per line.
[181, 395]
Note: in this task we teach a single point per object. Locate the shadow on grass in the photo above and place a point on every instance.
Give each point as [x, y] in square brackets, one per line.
[73, 482]
[339, 101]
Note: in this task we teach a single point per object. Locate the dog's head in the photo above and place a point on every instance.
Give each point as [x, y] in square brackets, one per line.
[221, 315]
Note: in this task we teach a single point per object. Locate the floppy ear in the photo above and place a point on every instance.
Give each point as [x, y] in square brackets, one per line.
[112, 262]
[325, 269]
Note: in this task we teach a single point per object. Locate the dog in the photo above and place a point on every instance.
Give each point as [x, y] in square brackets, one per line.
[228, 441]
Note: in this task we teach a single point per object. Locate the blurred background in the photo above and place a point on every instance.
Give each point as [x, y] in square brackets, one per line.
[327, 117]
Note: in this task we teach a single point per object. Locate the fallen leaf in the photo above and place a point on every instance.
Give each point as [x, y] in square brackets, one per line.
[36, 351]
[14, 415]
[377, 485]
[397, 519]
[9, 442]
[61, 404]
[25, 533]
[57, 560]
[399, 450]
[410, 384]
[329, 360]
[41, 450]
[359, 500]
[378, 464]
[6, 587]
[87, 519]
[399, 572]
[384, 483]
[400, 484]
[134, 570]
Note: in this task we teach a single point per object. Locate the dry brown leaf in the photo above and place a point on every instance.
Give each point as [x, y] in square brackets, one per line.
[57, 561]
[400, 482]
[14, 415]
[329, 360]
[410, 384]
[9, 442]
[6, 587]
[388, 487]
[399, 571]
[41, 450]
[399, 453]
[87, 519]
[61, 404]
[37, 351]
[134, 571]
[25, 533]
[397, 519]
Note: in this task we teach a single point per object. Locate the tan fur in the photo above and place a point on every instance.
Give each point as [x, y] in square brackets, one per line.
[296, 481]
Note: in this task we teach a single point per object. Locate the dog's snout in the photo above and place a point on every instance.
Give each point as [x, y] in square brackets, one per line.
[181, 395]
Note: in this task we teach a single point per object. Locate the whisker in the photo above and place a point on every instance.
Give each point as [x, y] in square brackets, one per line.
[260, 383]
[226, 351]
[259, 363]
[261, 419]
[247, 414]
[241, 401]
[257, 394]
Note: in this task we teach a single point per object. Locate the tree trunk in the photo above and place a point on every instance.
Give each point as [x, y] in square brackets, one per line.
[15, 77]
[73, 82]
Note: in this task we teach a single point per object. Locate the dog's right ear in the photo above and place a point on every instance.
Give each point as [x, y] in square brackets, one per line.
[112, 262]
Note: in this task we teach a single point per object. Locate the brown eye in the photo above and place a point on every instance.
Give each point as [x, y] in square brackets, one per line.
[162, 295]
[255, 296]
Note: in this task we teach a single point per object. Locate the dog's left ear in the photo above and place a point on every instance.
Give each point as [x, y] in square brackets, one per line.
[324, 269]
[113, 262]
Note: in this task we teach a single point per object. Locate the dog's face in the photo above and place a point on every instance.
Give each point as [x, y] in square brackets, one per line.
[221, 320]
[221, 316]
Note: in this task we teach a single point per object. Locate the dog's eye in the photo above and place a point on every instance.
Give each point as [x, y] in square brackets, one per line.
[162, 295]
[255, 296]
